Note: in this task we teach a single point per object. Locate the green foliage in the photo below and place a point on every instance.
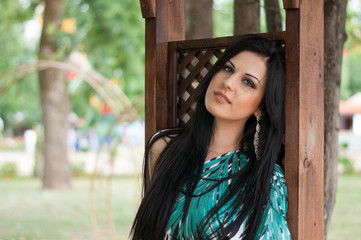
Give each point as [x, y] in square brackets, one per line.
[78, 169]
[20, 106]
[347, 165]
[21, 100]
[8, 170]
[350, 83]
[344, 145]
[12, 48]
[223, 18]
[353, 24]
[112, 35]
[351, 72]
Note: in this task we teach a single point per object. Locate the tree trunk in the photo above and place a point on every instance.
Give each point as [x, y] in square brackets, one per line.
[273, 16]
[246, 17]
[199, 19]
[54, 103]
[335, 36]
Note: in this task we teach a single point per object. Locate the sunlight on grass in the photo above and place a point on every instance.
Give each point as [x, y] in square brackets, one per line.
[27, 212]
[346, 218]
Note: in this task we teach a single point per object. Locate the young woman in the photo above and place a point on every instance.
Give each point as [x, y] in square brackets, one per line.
[221, 176]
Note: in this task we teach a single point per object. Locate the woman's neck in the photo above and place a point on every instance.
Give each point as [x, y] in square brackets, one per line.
[226, 137]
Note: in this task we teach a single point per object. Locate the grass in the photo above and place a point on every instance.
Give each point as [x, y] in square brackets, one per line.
[346, 218]
[27, 212]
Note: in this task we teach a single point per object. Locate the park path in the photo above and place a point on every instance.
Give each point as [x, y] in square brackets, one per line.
[127, 162]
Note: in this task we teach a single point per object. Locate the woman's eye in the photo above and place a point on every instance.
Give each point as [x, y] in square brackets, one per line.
[248, 82]
[228, 69]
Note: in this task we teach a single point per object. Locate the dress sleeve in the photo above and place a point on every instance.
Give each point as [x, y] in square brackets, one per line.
[273, 223]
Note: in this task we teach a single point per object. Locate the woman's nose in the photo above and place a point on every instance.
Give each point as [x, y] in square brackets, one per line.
[229, 82]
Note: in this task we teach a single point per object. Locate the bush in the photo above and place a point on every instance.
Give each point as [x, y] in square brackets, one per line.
[78, 170]
[8, 170]
[344, 145]
[347, 165]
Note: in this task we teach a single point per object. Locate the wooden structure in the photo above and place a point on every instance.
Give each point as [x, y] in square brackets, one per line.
[174, 67]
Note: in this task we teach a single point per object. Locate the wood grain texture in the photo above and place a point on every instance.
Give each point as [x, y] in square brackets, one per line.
[150, 80]
[172, 85]
[167, 26]
[311, 188]
[170, 27]
[148, 8]
[292, 105]
[222, 42]
[291, 4]
[304, 119]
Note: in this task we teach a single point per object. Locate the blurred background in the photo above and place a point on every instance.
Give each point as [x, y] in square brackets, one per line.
[72, 116]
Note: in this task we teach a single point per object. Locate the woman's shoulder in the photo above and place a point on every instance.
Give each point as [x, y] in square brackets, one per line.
[158, 142]
[158, 145]
[160, 139]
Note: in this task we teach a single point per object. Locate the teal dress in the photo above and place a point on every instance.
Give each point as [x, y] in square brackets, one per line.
[273, 223]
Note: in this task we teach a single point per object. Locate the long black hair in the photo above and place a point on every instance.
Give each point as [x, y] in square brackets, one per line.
[181, 162]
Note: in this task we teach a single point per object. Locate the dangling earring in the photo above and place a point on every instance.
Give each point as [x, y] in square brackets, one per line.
[256, 138]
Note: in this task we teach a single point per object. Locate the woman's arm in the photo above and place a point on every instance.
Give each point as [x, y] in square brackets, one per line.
[154, 151]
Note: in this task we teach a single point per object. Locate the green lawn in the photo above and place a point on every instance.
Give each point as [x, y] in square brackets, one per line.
[346, 218]
[27, 212]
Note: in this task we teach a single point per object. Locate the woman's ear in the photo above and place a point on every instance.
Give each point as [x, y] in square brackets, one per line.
[258, 112]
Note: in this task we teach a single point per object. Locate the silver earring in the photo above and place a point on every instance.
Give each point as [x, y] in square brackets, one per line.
[256, 138]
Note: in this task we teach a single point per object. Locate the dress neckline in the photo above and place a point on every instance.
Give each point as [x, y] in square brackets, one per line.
[222, 155]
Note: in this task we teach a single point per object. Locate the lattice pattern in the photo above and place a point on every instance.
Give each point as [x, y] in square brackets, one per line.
[193, 66]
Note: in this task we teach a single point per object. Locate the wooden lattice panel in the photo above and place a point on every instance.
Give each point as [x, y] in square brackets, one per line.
[193, 66]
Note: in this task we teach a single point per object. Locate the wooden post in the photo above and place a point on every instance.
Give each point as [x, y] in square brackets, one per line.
[304, 148]
[164, 21]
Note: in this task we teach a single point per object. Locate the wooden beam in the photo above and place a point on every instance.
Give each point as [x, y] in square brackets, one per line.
[150, 77]
[291, 4]
[164, 22]
[209, 43]
[168, 25]
[292, 118]
[304, 119]
[148, 8]
[172, 119]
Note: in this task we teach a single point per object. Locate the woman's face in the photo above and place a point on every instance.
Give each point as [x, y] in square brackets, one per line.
[236, 91]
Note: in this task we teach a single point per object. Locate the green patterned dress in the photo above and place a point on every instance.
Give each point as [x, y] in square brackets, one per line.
[273, 223]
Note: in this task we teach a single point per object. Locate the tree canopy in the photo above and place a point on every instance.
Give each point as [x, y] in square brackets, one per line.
[109, 34]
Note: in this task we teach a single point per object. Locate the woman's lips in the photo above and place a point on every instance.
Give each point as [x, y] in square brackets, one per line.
[222, 98]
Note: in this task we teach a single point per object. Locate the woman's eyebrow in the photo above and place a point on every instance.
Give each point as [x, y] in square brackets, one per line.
[231, 63]
[252, 76]
[248, 74]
